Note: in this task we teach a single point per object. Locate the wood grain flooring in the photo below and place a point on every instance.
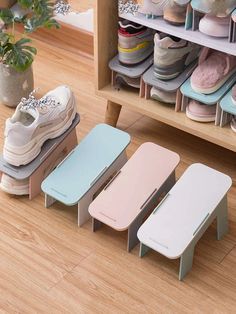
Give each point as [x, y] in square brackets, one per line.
[49, 265]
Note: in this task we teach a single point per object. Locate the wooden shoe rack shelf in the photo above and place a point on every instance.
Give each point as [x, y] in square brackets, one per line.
[106, 26]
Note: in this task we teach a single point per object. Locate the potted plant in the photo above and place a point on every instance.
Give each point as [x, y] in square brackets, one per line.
[16, 51]
[6, 3]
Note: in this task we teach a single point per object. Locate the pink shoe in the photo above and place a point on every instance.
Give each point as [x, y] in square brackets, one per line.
[215, 26]
[200, 112]
[212, 73]
[234, 95]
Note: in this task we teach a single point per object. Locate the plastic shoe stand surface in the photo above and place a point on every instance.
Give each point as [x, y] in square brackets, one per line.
[132, 71]
[227, 104]
[86, 169]
[210, 99]
[180, 220]
[170, 85]
[127, 198]
[225, 110]
[24, 172]
[52, 152]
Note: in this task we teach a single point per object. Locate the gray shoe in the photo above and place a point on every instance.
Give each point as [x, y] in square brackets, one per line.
[172, 56]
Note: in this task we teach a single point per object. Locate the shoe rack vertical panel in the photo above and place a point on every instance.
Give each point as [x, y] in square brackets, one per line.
[105, 43]
[105, 39]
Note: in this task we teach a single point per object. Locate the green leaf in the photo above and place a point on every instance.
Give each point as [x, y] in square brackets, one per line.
[6, 16]
[18, 55]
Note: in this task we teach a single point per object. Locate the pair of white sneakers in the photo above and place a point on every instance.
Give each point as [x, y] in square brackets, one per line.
[34, 122]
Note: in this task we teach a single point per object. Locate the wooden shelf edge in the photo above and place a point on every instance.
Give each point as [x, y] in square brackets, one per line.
[223, 137]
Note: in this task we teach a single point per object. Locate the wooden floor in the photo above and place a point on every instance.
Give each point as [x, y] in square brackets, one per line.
[49, 265]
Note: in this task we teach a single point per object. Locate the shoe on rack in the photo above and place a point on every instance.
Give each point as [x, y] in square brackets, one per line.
[122, 79]
[233, 124]
[136, 55]
[220, 8]
[130, 27]
[200, 112]
[127, 40]
[172, 56]
[175, 13]
[13, 186]
[36, 121]
[163, 96]
[212, 73]
[153, 8]
[234, 95]
[214, 26]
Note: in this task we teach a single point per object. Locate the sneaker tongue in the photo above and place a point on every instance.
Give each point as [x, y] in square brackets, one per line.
[31, 111]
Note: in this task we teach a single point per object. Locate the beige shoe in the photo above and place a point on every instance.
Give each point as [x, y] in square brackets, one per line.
[13, 186]
[174, 13]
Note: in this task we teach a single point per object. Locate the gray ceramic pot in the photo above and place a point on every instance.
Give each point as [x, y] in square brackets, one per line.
[14, 85]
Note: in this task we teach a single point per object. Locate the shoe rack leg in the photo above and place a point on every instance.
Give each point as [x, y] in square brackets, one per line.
[112, 113]
[143, 250]
[49, 201]
[186, 262]
[170, 183]
[222, 219]
[184, 105]
[96, 224]
[83, 205]
[132, 234]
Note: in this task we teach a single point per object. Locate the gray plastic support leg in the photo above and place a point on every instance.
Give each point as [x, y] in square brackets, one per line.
[186, 262]
[143, 250]
[222, 218]
[49, 201]
[170, 182]
[96, 224]
[132, 233]
[133, 229]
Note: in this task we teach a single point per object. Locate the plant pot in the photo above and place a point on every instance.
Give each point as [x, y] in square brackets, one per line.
[14, 85]
[6, 3]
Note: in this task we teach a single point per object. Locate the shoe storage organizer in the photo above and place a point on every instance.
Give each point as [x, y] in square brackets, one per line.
[140, 195]
[78, 178]
[183, 216]
[123, 208]
[171, 86]
[226, 110]
[199, 11]
[210, 99]
[52, 153]
[128, 75]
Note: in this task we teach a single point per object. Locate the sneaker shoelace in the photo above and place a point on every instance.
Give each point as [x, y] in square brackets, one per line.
[62, 7]
[128, 7]
[33, 103]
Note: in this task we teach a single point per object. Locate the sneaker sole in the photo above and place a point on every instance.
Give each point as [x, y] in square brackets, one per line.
[199, 119]
[27, 156]
[24, 190]
[233, 127]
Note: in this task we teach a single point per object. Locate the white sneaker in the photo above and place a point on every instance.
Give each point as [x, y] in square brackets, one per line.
[13, 186]
[153, 7]
[36, 121]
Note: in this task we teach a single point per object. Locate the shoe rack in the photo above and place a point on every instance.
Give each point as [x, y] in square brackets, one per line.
[52, 153]
[106, 26]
